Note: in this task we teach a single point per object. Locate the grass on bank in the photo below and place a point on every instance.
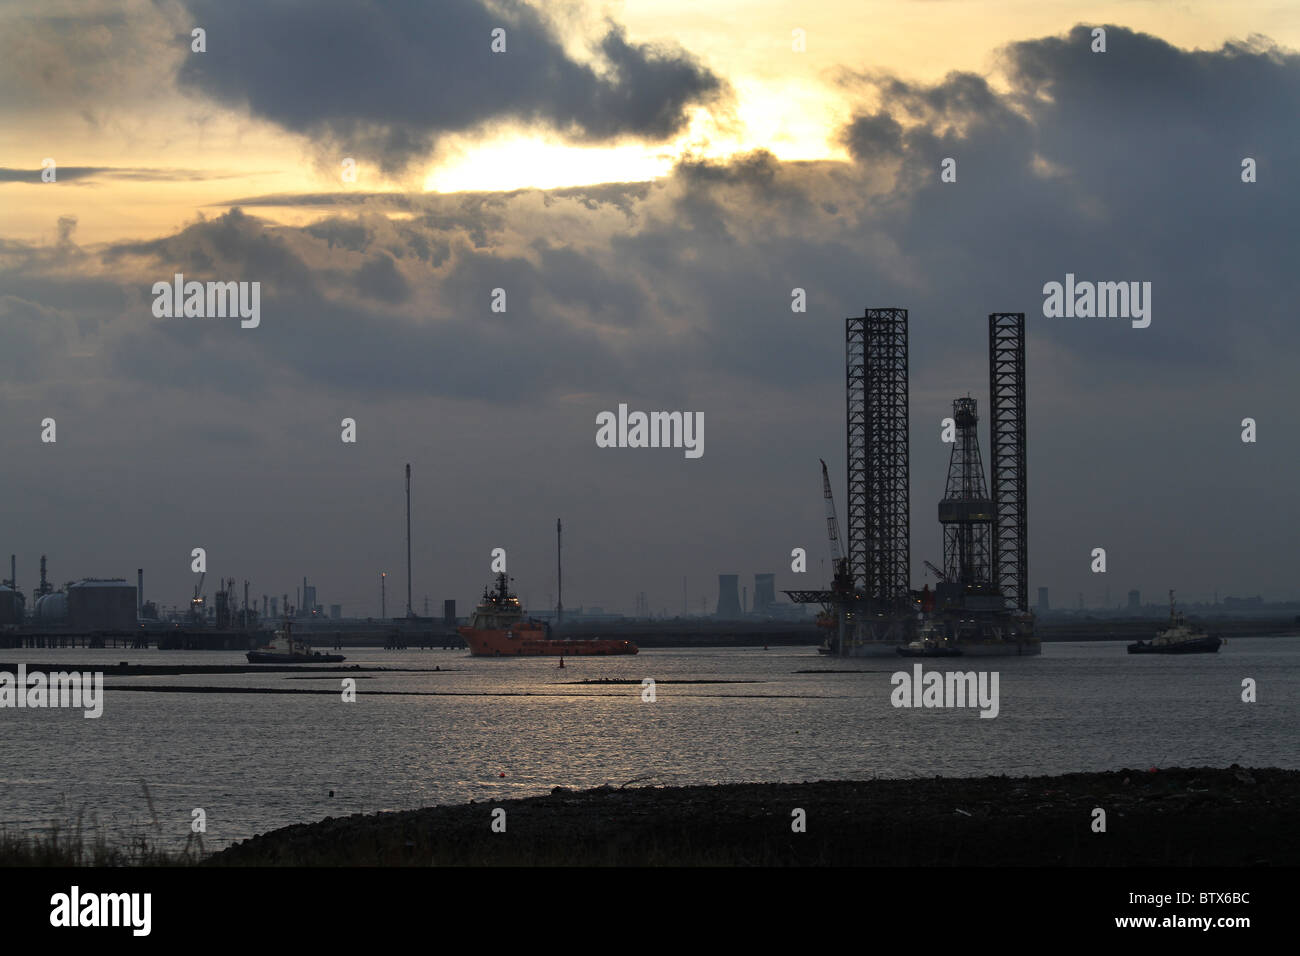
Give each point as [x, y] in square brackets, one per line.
[72, 843]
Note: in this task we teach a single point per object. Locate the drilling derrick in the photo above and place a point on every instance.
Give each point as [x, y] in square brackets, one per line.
[966, 511]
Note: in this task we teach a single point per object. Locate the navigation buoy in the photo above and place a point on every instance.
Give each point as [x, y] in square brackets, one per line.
[561, 661]
[503, 775]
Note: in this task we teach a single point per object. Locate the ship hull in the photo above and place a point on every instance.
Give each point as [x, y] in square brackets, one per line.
[1202, 645]
[1031, 648]
[267, 657]
[1000, 648]
[534, 643]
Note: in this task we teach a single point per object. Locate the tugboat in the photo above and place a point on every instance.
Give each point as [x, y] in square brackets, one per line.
[283, 649]
[498, 628]
[1178, 638]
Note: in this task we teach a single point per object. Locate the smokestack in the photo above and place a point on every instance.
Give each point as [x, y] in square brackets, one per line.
[13, 571]
[559, 572]
[408, 540]
[44, 586]
[139, 592]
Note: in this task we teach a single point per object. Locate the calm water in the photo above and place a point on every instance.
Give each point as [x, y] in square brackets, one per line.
[255, 762]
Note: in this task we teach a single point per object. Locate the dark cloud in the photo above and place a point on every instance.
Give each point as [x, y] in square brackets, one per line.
[383, 79]
[379, 279]
[874, 137]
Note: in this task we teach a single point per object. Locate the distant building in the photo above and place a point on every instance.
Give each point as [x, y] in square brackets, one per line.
[309, 599]
[336, 611]
[1042, 601]
[449, 613]
[764, 592]
[1134, 600]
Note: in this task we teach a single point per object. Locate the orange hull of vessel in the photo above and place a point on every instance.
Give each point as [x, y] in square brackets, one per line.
[532, 642]
[499, 628]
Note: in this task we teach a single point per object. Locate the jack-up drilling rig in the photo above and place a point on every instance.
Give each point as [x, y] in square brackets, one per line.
[981, 597]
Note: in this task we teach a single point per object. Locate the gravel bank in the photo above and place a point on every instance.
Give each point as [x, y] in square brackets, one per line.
[1173, 817]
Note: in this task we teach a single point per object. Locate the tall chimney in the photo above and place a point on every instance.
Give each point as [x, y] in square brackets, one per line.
[13, 571]
[559, 573]
[139, 592]
[409, 612]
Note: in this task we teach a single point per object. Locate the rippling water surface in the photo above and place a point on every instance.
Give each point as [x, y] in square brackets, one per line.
[255, 762]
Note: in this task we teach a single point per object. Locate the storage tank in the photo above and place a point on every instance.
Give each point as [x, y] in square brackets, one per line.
[11, 607]
[52, 609]
[102, 604]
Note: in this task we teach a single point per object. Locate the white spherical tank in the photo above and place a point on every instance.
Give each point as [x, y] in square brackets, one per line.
[52, 609]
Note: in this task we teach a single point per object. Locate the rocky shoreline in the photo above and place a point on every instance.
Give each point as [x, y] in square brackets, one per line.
[1170, 817]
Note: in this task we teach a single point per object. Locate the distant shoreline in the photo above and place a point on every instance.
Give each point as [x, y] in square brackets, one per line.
[1173, 817]
[646, 635]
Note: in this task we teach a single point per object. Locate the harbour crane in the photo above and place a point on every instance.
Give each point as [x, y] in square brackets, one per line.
[935, 571]
[832, 524]
[196, 602]
[839, 602]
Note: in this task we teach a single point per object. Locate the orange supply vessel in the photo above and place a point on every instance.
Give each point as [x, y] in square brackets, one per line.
[498, 628]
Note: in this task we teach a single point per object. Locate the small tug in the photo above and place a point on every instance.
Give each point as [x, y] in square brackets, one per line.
[284, 649]
[1178, 638]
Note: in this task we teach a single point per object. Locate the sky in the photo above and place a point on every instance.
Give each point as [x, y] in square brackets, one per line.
[647, 183]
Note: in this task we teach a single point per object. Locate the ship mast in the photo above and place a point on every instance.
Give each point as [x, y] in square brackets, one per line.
[408, 540]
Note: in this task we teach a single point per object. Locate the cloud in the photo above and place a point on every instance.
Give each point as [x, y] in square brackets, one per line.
[84, 174]
[384, 79]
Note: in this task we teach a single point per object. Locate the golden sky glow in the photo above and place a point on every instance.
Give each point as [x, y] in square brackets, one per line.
[787, 102]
